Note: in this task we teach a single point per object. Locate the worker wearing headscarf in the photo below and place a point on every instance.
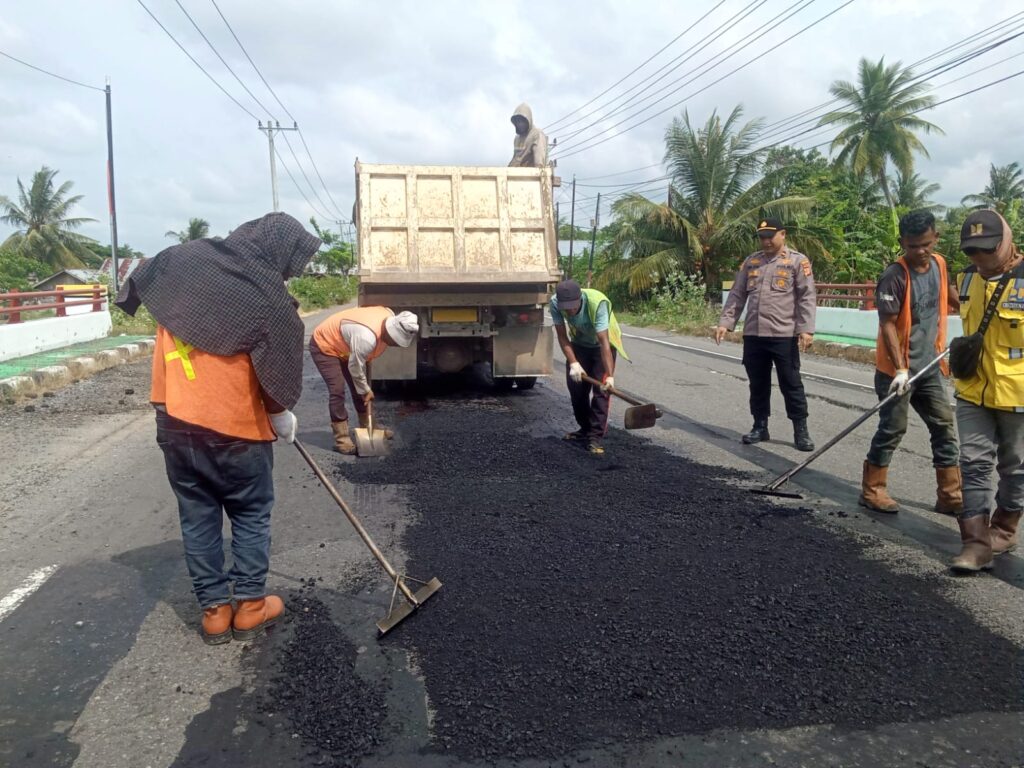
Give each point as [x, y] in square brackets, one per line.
[227, 369]
[342, 347]
[530, 146]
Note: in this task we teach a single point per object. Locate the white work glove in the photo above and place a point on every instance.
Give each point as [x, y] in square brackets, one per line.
[901, 383]
[284, 424]
[608, 383]
[576, 372]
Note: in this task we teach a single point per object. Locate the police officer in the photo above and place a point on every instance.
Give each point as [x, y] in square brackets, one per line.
[990, 399]
[777, 288]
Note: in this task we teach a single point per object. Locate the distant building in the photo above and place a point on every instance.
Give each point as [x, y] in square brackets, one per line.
[124, 268]
[68, 277]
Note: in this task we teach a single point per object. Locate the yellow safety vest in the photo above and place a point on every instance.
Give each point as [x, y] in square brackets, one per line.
[999, 381]
[594, 299]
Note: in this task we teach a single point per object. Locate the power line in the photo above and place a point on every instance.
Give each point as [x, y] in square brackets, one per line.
[52, 74]
[620, 173]
[304, 197]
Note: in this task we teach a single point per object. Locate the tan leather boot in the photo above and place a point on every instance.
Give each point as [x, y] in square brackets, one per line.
[254, 616]
[976, 554]
[873, 494]
[948, 498]
[1003, 531]
[364, 422]
[342, 442]
[217, 624]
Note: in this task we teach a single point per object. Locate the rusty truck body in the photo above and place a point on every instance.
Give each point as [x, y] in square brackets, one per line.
[473, 252]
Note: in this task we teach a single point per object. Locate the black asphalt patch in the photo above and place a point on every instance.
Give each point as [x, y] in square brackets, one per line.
[599, 600]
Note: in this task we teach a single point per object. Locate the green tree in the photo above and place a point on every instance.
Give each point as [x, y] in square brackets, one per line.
[44, 230]
[910, 191]
[17, 272]
[716, 195]
[100, 253]
[1005, 184]
[337, 256]
[197, 229]
[878, 123]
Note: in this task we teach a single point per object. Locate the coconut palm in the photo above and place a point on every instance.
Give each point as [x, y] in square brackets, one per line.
[1005, 184]
[43, 229]
[878, 121]
[197, 229]
[716, 195]
[911, 191]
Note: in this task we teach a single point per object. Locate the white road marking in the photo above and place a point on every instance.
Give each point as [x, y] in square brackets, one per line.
[30, 585]
[712, 353]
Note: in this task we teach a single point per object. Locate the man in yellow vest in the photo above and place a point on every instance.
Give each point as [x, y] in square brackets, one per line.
[227, 369]
[342, 347]
[990, 399]
[590, 338]
[913, 303]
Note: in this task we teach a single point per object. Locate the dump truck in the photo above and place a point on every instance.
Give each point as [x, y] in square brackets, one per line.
[473, 252]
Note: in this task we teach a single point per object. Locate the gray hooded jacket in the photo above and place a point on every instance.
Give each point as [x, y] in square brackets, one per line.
[531, 149]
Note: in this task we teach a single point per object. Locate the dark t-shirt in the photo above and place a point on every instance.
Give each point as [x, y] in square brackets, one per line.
[924, 308]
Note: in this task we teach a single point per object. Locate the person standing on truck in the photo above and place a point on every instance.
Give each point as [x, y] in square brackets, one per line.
[913, 303]
[589, 336]
[776, 286]
[530, 144]
[342, 347]
[227, 369]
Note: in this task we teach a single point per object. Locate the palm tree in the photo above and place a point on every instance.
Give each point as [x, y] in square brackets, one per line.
[1005, 184]
[715, 199]
[43, 229]
[879, 125]
[911, 191]
[197, 229]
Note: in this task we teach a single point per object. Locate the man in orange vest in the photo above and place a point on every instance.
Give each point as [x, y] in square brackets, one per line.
[342, 347]
[227, 369]
[913, 303]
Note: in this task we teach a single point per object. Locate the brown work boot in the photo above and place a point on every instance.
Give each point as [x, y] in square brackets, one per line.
[948, 498]
[217, 624]
[254, 616]
[342, 442]
[873, 493]
[976, 554]
[1003, 531]
[364, 422]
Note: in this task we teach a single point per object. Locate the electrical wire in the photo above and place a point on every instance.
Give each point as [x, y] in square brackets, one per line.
[52, 74]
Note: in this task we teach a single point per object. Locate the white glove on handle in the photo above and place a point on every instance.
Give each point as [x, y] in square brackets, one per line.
[900, 383]
[609, 383]
[284, 424]
[576, 372]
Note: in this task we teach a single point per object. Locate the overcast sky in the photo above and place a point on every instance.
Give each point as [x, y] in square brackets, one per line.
[435, 83]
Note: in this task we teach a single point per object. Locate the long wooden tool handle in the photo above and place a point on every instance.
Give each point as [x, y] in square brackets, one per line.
[614, 391]
[355, 521]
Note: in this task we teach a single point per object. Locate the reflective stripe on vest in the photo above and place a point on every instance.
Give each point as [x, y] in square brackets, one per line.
[181, 352]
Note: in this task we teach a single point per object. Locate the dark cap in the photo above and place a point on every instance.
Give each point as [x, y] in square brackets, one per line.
[769, 227]
[982, 229]
[569, 295]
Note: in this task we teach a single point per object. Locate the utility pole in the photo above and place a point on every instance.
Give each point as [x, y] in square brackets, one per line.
[270, 128]
[558, 225]
[572, 224]
[593, 238]
[111, 203]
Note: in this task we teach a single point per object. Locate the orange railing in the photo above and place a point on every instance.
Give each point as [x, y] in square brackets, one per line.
[862, 294]
[81, 295]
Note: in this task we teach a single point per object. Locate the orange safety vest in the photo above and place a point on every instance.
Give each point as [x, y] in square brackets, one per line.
[217, 392]
[904, 321]
[328, 334]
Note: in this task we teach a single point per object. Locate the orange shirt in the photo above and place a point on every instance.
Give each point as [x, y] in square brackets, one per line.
[217, 392]
[328, 337]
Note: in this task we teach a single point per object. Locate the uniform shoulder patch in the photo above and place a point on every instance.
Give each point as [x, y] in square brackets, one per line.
[805, 265]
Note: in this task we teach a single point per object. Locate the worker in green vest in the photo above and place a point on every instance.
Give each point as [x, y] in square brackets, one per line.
[589, 336]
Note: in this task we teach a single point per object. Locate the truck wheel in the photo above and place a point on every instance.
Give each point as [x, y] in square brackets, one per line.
[526, 382]
[503, 384]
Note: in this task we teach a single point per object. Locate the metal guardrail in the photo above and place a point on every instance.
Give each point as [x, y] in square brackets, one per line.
[862, 294]
[94, 295]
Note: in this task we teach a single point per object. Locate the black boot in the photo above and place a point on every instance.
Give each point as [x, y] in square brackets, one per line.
[801, 437]
[759, 433]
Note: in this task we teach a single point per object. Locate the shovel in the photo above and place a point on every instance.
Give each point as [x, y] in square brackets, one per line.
[774, 488]
[411, 602]
[368, 441]
[640, 416]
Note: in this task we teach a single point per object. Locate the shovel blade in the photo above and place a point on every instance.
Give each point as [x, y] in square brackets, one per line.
[370, 443]
[405, 608]
[641, 416]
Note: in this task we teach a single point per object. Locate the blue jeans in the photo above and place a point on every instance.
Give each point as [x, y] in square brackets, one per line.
[210, 472]
[930, 399]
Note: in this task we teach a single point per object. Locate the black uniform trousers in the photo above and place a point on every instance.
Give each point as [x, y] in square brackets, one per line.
[759, 354]
[590, 405]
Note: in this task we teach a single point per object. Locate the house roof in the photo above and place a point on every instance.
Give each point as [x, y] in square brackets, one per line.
[74, 275]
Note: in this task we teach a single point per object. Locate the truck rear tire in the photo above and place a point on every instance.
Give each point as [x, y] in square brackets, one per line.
[526, 382]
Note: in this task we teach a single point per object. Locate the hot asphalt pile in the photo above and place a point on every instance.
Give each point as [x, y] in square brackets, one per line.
[592, 600]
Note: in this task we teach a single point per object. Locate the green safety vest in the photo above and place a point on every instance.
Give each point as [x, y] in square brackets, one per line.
[594, 299]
